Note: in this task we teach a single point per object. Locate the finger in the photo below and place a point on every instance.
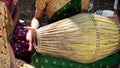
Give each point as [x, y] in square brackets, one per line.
[28, 36]
[26, 27]
[29, 28]
[30, 46]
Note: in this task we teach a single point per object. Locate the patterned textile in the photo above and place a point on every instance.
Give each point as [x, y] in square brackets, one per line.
[5, 31]
[54, 6]
[73, 7]
[6, 24]
[20, 44]
[18, 40]
[46, 61]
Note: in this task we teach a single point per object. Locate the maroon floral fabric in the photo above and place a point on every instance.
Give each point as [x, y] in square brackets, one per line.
[20, 44]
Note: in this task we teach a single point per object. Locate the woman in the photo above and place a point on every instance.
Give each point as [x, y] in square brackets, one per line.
[13, 8]
[7, 59]
[18, 43]
[57, 10]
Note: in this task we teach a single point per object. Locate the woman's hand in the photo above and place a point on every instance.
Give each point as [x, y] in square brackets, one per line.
[29, 37]
[34, 25]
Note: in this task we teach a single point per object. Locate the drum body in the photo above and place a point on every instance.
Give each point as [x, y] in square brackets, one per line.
[82, 38]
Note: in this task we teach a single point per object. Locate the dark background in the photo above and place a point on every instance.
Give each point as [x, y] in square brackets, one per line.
[27, 9]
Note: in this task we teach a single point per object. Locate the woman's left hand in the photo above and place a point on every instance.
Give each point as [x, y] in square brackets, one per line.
[29, 37]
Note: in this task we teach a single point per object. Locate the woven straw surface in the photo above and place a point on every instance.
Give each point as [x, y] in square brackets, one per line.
[83, 38]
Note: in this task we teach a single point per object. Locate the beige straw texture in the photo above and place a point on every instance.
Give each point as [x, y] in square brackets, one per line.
[82, 38]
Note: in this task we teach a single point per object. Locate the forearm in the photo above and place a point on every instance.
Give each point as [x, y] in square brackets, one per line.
[35, 21]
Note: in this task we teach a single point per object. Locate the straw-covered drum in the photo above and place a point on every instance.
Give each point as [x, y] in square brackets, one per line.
[82, 38]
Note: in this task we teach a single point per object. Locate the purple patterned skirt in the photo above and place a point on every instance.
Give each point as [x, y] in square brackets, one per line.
[20, 44]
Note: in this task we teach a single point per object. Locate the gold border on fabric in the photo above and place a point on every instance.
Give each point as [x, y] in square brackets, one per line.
[53, 6]
[84, 4]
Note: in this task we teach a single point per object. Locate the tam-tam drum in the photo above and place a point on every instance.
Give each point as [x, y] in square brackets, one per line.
[82, 38]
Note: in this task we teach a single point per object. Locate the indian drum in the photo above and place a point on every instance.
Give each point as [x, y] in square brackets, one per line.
[82, 38]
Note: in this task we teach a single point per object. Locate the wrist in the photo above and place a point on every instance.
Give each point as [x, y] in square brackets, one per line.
[33, 27]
